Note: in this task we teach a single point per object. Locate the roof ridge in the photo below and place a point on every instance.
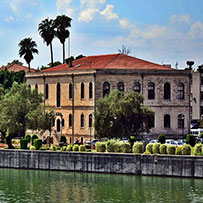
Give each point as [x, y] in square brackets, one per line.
[114, 58]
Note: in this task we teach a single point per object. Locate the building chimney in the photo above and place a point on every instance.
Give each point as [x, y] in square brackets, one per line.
[190, 64]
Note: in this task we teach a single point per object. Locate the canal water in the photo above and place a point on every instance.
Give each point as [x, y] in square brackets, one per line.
[53, 186]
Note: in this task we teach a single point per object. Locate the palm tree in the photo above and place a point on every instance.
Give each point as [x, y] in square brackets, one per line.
[27, 49]
[47, 32]
[61, 23]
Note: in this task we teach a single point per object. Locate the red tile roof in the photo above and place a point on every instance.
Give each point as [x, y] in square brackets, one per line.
[110, 61]
[16, 68]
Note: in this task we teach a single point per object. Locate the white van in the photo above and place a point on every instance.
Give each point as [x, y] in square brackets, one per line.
[196, 132]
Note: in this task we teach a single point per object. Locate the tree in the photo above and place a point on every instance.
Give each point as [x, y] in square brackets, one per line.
[47, 32]
[56, 63]
[15, 62]
[61, 23]
[27, 49]
[122, 114]
[124, 50]
[21, 109]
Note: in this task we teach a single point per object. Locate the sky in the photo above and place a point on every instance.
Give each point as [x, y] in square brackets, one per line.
[160, 31]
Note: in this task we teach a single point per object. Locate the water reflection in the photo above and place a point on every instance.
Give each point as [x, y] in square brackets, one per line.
[53, 186]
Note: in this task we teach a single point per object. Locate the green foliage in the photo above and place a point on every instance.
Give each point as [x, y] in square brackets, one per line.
[53, 148]
[34, 136]
[178, 150]
[23, 143]
[162, 138]
[122, 113]
[32, 148]
[69, 148]
[155, 148]
[163, 148]
[171, 149]
[125, 147]
[75, 147]
[100, 147]
[186, 149]
[82, 148]
[201, 135]
[198, 148]
[63, 148]
[37, 143]
[110, 145]
[28, 137]
[44, 148]
[138, 147]
[63, 139]
[88, 150]
[190, 139]
[117, 147]
[149, 148]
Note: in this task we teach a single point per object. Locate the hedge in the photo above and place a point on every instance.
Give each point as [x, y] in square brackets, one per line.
[163, 148]
[23, 143]
[125, 147]
[138, 148]
[186, 149]
[171, 149]
[34, 137]
[155, 148]
[149, 148]
[37, 143]
[100, 147]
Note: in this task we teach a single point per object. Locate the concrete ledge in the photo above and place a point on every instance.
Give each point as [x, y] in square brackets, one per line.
[137, 164]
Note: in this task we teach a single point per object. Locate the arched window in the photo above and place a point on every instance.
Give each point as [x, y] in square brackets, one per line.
[151, 90]
[63, 122]
[120, 86]
[70, 91]
[82, 122]
[136, 87]
[29, 86]
[167, 91]
[70, 120]
[90, 120]
[106, 89]
[181, 91]
[90, 90]
[46, 91]
[181, 119]
[58, 95]
[58, 125]
[82, 95]
[167, 121]
[36, 88]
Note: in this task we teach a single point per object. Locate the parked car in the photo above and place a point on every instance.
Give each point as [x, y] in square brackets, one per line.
[153, 141]
[92, 143]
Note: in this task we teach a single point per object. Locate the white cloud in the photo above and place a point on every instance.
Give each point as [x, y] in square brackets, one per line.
[91, 3]
[9, 18]
[15, 4]
[180, 19]
[65, 6]
[196, 30]
[108, 12]
[87, 15]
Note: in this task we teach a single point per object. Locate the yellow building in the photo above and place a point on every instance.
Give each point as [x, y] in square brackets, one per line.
[73, 89]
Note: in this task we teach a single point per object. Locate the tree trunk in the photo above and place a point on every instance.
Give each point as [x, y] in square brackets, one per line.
[64, 52]
[51, 50]
[28, 67]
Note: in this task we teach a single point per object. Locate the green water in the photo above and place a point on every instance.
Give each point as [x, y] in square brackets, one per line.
[52, 186]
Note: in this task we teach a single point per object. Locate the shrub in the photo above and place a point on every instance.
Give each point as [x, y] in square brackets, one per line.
[69, 148]
[15, 141]
[63, 139]
[34, 137]
[162, 138]
[201, 135]
[149, 148]
[186, 149]
[23, 143]
[125, 147]
[82, 148]
[32, 148]
[163, 148]
[190, 139]
[75, 147]
[132, 140]
[198, 148]
[171, 149]
[155, 148]
[44, 148]
[88, 150]
[138, 147]
[53, 148]
[117, 146]
[110, 145]
[100, 147]
[28, 137]
[37, 143]
[63, 148]
[178, 150]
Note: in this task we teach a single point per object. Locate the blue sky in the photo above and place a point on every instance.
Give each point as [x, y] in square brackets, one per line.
[161, 31]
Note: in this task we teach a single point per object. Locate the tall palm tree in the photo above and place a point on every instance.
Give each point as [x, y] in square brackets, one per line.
[61, 24]
[27, 49]
[47, 32]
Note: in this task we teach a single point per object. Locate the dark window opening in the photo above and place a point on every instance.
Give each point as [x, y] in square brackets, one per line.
[167, 121]
[70, 120]
[106, 89]
[82, 90]
[151, 91]
[70, 91]
[58, 95]
[46, 91]
[181, 121]
[58, 125]
[167, 91]
[90, 120]
[120, 86]
[136, 87]
[181, 91]
[82, 120]
[90, 90]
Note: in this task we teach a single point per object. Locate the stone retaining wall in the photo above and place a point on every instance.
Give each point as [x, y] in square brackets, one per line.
[162, 165]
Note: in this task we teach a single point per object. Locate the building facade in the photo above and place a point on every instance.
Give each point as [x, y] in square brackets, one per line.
[72, 91]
